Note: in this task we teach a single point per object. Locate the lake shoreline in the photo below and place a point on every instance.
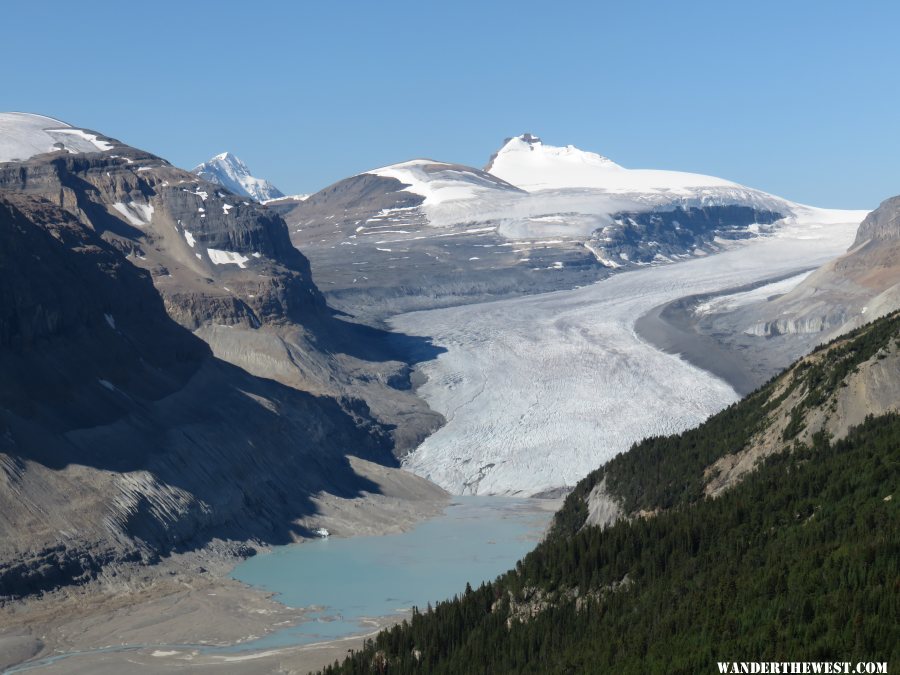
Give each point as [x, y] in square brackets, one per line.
[190, 598]
[177, 621]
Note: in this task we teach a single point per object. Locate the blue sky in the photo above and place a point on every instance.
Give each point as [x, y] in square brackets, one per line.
[799, 98]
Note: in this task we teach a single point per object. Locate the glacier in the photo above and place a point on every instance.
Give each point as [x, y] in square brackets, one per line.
[539, 390]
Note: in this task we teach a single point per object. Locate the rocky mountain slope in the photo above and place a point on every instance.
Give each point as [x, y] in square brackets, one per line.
[174, 377]
[232, 174]
[227, 270]
[822, 395]
[424, 233]
[857, 287]
[770, 326]
[771, 529]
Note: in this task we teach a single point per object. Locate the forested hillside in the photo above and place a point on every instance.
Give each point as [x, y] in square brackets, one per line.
[797, 560]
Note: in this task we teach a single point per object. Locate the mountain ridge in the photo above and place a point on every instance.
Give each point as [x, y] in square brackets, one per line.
[423, 233]
[271, 387]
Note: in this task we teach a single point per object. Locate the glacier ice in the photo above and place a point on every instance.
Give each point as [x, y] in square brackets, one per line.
[538, 391]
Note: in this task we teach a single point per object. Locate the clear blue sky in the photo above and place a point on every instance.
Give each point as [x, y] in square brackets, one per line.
[796, 97]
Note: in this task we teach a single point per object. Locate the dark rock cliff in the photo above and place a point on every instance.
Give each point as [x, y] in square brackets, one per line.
[121, 437]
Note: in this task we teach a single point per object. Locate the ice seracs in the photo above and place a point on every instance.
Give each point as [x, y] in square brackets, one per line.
[231, 173]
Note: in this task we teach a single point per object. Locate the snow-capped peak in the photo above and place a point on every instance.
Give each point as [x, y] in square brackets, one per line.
[529, 149]
[24, 135]
[529, 163]
[231, 173]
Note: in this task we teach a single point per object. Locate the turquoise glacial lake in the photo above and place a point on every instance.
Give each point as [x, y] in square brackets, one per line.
[347, 581]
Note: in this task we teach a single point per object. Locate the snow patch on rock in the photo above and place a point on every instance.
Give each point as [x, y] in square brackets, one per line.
[218, 257]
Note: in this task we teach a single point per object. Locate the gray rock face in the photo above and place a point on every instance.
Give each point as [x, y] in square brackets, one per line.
[858, 287]
[66, 329]
[172, 373]
[121, 437]
[883, 224]
[809, 324]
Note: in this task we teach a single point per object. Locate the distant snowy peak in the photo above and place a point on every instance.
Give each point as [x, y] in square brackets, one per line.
[440, 182]
[532, 165]
[24, 135]
[231, 173]
[527, 149]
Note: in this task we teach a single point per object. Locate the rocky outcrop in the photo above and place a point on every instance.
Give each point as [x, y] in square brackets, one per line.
[883, 224]
[811, 323]
[602, 508]
[860, 286]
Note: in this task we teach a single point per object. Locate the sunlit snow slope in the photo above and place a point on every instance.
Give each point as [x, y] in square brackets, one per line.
[527, 162]
[539, 390]
[24, 135]
[440, 182]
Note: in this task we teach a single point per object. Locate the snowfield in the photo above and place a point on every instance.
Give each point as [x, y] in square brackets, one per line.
[538, 391]
[440, 182]
[535, 190]
[24, 135]
[530, 164]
